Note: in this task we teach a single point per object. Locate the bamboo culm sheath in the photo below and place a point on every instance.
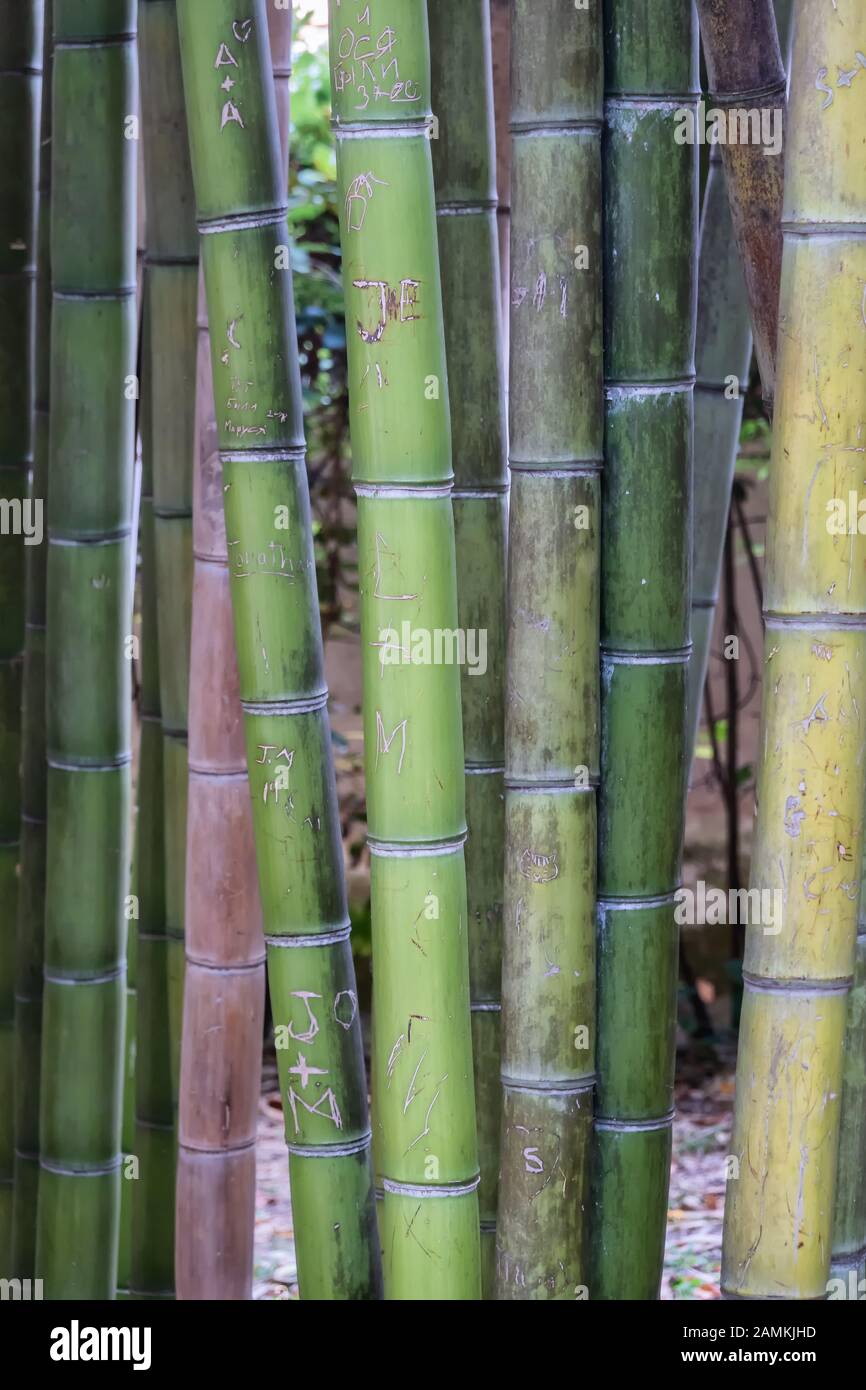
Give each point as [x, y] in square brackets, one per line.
[20, 587]
[650, 304]
[723, 359]
[400, 429]
[240, 195]
[745, 70]
[724, 354]
[464, 175]
[556, 432]
[90, 558]
[809, 831]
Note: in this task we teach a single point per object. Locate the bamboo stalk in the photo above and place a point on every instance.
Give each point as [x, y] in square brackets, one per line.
[220, 1068]
[747, 74]
[20, 89]
[171, 289]
[500, 25]
[225, 977]
[145, 588]
[650, 294]
[31, 880]
[239, 183]
[808, 839]
[556, 411]
[129, 1163]
[400, 429]
[149, 1128]
[464, 173]
[848, 1263]
[93, 248]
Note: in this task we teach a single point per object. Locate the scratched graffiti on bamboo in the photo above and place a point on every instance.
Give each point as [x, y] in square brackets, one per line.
[382, 547]
[844, 79]
[358, 197]
[538, 868]
[280, 781]
[381, 381]
[371, 66]
[393, 306]
[272, 561]
[384, 742]
[225, 58]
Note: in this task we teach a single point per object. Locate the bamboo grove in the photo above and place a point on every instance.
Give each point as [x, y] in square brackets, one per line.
[553, 282]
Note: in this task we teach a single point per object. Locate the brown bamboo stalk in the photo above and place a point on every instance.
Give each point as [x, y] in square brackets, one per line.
[225, 950]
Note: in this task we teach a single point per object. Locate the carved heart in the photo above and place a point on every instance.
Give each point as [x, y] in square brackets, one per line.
[242, 28]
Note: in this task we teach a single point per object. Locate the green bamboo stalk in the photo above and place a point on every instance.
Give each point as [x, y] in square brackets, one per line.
[129, 1163]
[20, 84]
[23, 386]
[809, 832]
[848, 1263]
[172, 287]
[556, 409]
[225, 976]
[169, 364]
[650, 300]
[151, 1233]
[746, 73]
[848, 1259]
[239, 184]
[500, 25]
[400, 428]
[93, 248]
[465, 177]
[145, 589]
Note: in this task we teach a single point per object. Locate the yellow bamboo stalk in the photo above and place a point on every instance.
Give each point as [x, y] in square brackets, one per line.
[797, 974]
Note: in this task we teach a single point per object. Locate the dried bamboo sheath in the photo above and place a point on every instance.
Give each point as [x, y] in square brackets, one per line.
[240, 184]
[552, 714]
[21, 601]
[724, 353]
[746, 73]
[90, 558]
[650, 301]
[808, 846]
